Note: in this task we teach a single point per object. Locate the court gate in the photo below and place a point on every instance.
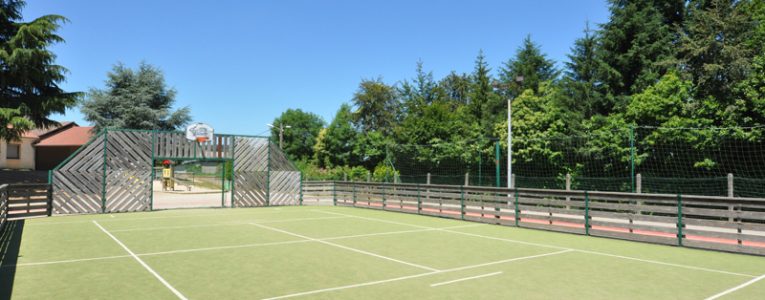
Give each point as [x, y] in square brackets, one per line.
[113, 171]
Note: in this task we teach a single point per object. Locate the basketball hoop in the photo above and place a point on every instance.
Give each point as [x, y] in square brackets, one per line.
[199, 132]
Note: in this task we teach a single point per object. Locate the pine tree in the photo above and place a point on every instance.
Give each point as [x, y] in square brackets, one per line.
[637, 45]
[715, 51]
[527, 70]
[581, 81]
[484, 105]
[29, 77]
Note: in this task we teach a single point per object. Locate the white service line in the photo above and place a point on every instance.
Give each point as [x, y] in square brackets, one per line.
[415, 276]
[464, 279]
[150, 218]
[554, 247]
[140, 261]
[225, 224]
[42, 263]
[345, 247]
[736, 288]
[229, 247]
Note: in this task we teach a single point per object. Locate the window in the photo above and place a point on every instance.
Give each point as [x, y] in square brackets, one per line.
[13, 151]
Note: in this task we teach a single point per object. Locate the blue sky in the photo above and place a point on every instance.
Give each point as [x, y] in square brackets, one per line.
[239, 64]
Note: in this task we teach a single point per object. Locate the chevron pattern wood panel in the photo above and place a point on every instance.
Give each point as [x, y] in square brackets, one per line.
[128, 171]
[77, 186]
[284, 188]
[250, 171]
[262, 173]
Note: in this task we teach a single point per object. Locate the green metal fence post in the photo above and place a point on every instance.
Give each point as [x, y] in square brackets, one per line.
[679, 220]
[517, 210]
[586, 213]
[354, 194]
[103, 178]
[301, 189]
[383, 196]
[334, 193]
[268, 175]
[496, 163]
[223, 184]
[419, 201]
[153, 172]
[233, 174]
[480, 158]
[462, 202]
[50, 177]
[632, 159]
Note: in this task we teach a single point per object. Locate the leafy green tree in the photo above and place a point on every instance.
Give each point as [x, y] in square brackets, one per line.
[335, 147]
[456, 87]
[377, 106]
[300, 138]
[134, 99]
[29, 77]
[537, 117]
[371, 149]
[531, 65]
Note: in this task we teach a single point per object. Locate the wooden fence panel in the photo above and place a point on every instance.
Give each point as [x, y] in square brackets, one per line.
[717, 223]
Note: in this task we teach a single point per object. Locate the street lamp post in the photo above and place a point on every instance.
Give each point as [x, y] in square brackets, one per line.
[510, 183]
[281, 133]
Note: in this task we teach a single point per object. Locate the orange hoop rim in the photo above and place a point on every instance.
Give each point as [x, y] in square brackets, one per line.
[201, 139]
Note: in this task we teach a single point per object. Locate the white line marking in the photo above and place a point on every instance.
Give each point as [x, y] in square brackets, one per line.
[736, 288]
[225, 224]
[345, 247]
[42, 263]
[415, 276]
[176, 227]
[249, 213]
[554, 247]
[229, 247]
[140, 261]
[464, 279]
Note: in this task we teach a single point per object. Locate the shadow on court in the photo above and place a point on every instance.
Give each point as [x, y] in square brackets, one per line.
[10, 241]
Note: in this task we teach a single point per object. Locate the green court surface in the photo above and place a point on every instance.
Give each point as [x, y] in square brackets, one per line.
[347, 253]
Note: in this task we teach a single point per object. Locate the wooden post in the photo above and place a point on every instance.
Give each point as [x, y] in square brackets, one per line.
[730, 185]
[467, 179]
[345, 176]
[427, 192]
[638, 189]
[730, 195]
[369, 176]
[638, 183]
[512, 181]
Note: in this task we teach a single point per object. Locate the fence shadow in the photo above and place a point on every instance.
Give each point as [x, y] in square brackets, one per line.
[10, 242]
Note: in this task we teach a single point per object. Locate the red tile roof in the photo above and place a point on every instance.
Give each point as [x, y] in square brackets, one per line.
[73, 136]
[38, 132]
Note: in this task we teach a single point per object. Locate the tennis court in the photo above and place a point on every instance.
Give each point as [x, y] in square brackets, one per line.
[348, 253]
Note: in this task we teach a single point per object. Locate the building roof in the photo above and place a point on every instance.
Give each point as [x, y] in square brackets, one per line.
[72, 136]
[40, 132]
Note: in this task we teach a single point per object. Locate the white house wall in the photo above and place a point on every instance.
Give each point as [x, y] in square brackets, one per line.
[26, 158]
